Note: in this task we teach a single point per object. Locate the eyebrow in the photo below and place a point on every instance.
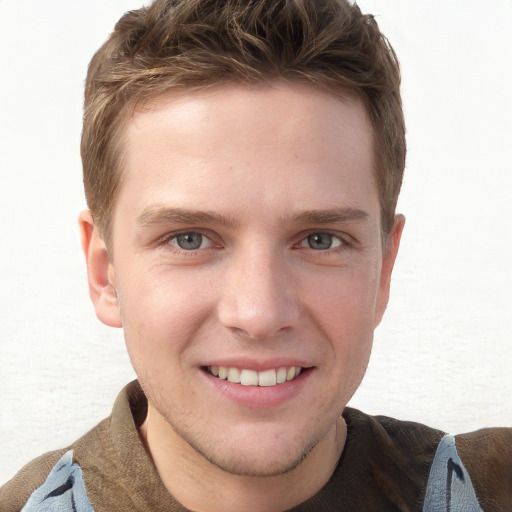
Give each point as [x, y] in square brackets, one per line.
[330, 216]
[157, 215]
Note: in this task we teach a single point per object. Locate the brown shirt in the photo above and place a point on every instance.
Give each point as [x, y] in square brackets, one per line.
[384, 466]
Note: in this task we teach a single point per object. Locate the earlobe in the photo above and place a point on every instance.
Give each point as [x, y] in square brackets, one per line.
[100, 273]
[388, 262]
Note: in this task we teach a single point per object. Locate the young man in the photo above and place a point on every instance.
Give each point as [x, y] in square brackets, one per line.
[242, 163]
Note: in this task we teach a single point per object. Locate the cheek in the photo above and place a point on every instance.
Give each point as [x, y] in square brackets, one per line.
[344, 301]
[161, 312]
[344, 310]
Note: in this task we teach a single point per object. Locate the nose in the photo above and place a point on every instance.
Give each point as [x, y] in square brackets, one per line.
[258, 298]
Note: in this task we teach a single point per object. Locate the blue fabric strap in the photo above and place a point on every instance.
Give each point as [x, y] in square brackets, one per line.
[63, 490]
[449, 487]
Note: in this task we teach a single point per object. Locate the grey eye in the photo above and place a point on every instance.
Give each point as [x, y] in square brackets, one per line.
[320, 241]
[189, 241]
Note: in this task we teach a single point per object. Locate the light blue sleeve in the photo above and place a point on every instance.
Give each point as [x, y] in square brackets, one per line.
[63, 490]
[449, 487]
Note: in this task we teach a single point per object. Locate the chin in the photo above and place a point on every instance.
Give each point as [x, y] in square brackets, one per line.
[251, 452]
[255, 464]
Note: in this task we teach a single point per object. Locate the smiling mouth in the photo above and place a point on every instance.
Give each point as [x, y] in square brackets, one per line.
[247, 377]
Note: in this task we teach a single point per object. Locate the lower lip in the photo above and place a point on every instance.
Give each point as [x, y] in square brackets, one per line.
[259, 397]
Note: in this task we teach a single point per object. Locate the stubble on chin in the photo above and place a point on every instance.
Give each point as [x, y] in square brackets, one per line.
[200, 448]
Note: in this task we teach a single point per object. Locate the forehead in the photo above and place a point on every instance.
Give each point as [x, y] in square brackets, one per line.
[304, 114]
[241, 146]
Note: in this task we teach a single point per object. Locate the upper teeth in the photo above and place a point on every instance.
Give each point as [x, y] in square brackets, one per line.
[254, 378]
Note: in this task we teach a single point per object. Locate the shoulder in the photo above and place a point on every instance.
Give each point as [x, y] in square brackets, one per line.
[55, 473]
[487, 455]
[484, 458]
[96, 467]
[15, 493]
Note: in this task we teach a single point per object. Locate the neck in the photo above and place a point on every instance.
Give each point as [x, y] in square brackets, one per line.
[201, 486]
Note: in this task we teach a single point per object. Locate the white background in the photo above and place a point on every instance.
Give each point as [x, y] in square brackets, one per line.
[443, 353]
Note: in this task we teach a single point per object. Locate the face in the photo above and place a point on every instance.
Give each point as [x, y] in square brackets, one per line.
[248, 268]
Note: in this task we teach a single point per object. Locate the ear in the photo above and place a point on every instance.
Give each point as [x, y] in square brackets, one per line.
[388, 262]
[100, 273]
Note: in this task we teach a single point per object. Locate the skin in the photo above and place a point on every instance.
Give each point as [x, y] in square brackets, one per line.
[257, 293]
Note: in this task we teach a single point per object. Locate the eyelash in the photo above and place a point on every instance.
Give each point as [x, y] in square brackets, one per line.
[343, 241]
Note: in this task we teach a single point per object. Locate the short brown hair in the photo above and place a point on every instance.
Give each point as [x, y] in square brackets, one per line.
[192, 44]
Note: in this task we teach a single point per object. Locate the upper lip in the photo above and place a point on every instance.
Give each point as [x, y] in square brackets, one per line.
[256, 365]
